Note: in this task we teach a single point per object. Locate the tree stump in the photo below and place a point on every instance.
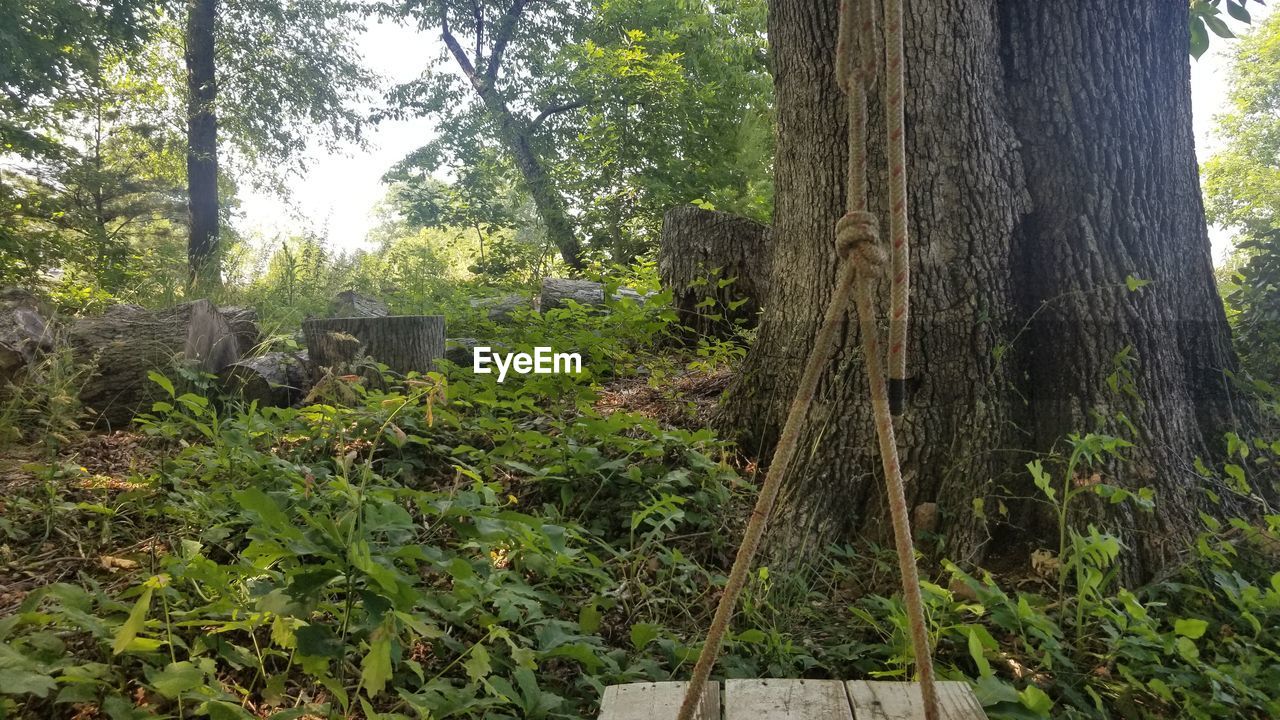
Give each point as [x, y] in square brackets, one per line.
[350, 303]
[276, 379]
[700, 249]
[24, 333]
[127, 341]
[401, 342]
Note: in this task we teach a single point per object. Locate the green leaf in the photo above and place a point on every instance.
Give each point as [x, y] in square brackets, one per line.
[26, 682]
[375, 669]
[1133, 283]
[133, 625]
[1238, 11]
[978, 654]
[162, 381]
[1218, 27]
[1190, 627]
[1199, 37]
[477, 664]
[177, 678]
[1035, 700]
[318, 641]
[589, 618]
[642, 634]
[751, 636]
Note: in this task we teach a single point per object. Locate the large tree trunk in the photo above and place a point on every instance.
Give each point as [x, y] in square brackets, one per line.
[1049, 148]
[204, 264]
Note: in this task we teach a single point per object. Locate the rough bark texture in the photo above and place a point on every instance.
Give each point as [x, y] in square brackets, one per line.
[350, 303]
[202, 144]
[499, 309]
[557, 292]
[276, 379]
[126, 342]
[244, 324]
[24, 334]
[1049, 152]
[699, 249]
[403, 343]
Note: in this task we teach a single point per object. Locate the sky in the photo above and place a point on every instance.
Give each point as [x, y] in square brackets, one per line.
[339, 192]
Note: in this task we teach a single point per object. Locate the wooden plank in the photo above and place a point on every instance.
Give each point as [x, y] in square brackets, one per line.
[902, 701]
[655, 701]
[786, 700]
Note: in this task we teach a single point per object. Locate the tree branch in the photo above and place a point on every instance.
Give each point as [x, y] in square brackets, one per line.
[506, 28]
[456, 50]
[478, 13]
[557, 109]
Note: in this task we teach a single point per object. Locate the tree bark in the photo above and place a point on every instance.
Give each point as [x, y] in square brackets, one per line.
[403, 343]
[123, 344]
[204, 262]
[1049, 146]
[24, 334]
[557, 292]
[516, 133]
[350, 303]
[276, 379]
[700, 249]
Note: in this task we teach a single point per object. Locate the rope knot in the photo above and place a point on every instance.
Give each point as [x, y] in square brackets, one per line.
[858, 240]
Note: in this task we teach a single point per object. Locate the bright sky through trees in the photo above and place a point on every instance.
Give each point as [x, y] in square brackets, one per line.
[339, 191]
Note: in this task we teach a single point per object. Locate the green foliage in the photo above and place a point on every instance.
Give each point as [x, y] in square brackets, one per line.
[634, 106]
[1206, 17]
[1242, 188]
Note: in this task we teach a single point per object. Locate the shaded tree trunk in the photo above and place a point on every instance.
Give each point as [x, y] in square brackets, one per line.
[1050, 155]
[204, 264]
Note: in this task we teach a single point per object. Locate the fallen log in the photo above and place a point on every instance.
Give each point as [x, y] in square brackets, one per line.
[349, 303]
[706, 255]
[276, 379]
[24, 334]
[500, 308]
[244, 325]
[557, 292]
[401, 342]
[126, 342]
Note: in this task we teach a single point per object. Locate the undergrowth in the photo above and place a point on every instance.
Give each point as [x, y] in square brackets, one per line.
[444, 546]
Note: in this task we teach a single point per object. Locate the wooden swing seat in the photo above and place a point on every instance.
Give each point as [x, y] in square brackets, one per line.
[790, 700]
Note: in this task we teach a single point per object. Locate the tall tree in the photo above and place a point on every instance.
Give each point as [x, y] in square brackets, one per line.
[202, 144]
[609, 112]
[1052, 168]
[266, 79]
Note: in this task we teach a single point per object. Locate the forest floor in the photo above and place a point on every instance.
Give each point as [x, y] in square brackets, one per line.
[447, 547]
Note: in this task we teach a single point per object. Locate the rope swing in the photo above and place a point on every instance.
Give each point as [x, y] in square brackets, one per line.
[864, 260]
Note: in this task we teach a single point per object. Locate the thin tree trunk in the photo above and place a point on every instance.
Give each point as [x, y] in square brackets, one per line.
[1049, 147]
[551, 208]
[204, 263]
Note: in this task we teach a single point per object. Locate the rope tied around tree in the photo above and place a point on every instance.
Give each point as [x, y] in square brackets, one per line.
[857, 241]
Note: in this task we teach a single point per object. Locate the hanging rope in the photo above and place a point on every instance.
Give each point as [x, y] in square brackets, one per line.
[858, 245]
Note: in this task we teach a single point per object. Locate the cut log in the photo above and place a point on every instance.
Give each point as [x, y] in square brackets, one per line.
[24, 333]
[700, 249]
[401, 342]
[557, 292]
[127, 341]
[351, 304]
[244, 325]
[277, 379]
[499, 309]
